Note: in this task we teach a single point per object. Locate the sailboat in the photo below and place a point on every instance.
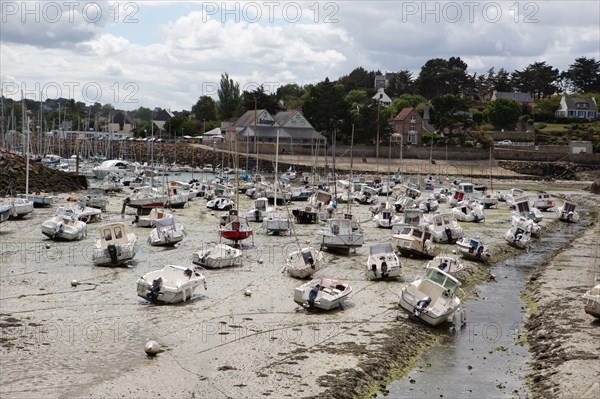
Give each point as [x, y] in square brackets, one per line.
[237, 229]
[274, 222]
[342, 233]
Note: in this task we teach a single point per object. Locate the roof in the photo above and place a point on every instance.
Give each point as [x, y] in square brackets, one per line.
[517, 96]
[572, 103]
[403, 114]
[248, 118]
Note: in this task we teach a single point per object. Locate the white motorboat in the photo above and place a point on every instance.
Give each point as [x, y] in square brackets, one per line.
[382, 262]
[166, 232]
[64, 226]
[322, 293]
[591, 301]
[367, 195]
[276, 223]
[386, 218]
[489, 200]
[220, 203]
[468, 211]
[7, 211]
[171, 284]
[304, 262]
[117, 166]
[526, 224]
[473, 248]
[448, 264]
[457, 197]
[523, 207]
[433, 298]
[176, 197]
[81, 212]
[404, 203]
[21, 207]
[260, 209]
[221, 255]
[512, 195]
[544, 201]
[112, 182]
[518, 236]
[96, 198]
[341, 234]
[444, 228]
[207, 168]
[114, 245]
[567, 212]
[150, 219]
[429, 205]
[415, 241]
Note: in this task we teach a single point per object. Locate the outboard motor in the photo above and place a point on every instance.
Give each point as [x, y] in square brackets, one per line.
[112, 252]
[448, 232]
[421, 306]
[154, 289]
[257, 215]
[570, 216]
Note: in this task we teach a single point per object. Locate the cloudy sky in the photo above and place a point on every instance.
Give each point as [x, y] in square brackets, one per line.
[169, 53]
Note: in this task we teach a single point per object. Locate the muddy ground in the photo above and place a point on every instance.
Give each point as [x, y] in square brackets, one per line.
[87, 341]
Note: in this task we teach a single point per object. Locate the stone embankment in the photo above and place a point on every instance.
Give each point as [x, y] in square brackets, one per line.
[13, 171]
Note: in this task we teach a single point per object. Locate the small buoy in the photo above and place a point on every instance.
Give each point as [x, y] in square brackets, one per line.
[74, 283]
[308, 241]
[47, 246]
[152, 348]
[247, 292]
[260, 261]
[212, 213]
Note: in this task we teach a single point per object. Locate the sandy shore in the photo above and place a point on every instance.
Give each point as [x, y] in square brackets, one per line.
[87, 341]
[564, 340]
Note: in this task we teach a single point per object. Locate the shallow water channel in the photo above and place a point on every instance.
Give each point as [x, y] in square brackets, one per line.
[485, 359]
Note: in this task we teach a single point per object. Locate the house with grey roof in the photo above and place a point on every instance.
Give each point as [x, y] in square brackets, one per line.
[523, 98]
[577, 107]
[383, 81]
[291, 126]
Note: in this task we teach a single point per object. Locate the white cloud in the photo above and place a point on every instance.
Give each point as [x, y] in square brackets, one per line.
[192, 49]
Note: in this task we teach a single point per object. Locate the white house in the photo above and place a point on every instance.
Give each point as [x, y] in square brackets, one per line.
[383, 98]
[577, 107]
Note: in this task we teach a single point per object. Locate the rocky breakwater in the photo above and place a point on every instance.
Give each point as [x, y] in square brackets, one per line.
[548, 170]
[13, 170]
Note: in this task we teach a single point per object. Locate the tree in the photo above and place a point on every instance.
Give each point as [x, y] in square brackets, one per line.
[356, 97]
[439, 77]
[584, 75]
[502, 81]
[450, 112]
[401, 83]
[325, 107]
[368, 117]
[205, 109]
[406, 101]
[502, 112]
[544, 109]
[143, 113]
[359, 78]
[291, 95]
[538, 79]
[261, 100]
[229, 97]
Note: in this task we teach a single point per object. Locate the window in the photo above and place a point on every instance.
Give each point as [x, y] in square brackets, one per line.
[118, 233]
[107, 235]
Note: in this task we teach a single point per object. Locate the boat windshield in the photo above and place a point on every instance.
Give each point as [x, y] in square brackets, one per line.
[384, 248]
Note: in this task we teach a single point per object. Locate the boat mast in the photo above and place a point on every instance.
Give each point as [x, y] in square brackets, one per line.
[276, 182]
[27, 155]
[351, 185]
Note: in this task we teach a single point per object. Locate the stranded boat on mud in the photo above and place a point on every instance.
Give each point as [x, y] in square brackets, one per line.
[322, 293]
[591, 301]
[433, 298]
[222, 255]
[382, 262]
[304, 262]
[114, 246]
[170, 284]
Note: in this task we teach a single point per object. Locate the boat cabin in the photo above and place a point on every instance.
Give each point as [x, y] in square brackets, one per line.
[113, 234]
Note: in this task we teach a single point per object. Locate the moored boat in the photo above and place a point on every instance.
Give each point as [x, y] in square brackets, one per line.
[304, 262]
[382, 262]
[322, 293]
[221, 255]
[114, 246]
[433, 298]
[171, 284]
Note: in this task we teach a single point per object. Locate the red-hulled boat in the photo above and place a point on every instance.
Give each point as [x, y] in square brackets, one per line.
[236, 229]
